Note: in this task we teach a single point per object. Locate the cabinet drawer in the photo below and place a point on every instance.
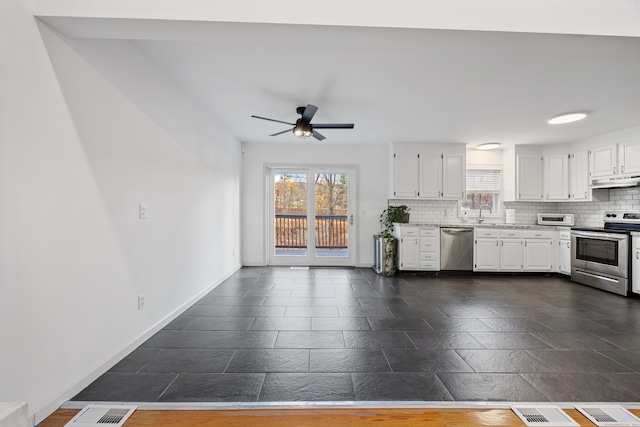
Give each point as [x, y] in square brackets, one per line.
[536, 234]
[429, 244]
[429, 265]
[429, 256]
[511, 234]
[409, 231]
[486, 233]
[429, 232]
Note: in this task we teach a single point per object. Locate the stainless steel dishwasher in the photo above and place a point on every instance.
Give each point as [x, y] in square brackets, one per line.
[456, 248]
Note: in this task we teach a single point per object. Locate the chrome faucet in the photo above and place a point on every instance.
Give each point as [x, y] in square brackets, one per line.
[480, 219]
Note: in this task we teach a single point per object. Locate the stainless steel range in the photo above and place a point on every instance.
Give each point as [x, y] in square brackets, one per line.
[600, 257]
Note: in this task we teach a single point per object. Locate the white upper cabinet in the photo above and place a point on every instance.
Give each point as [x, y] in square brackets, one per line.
[429, 171]
[629, 157]
[556, 177]
[529, 178]
[603, 161]
[579, 176]
[405, 174]
[430, 183]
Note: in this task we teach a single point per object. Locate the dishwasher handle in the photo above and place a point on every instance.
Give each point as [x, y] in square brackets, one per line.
[456, 230]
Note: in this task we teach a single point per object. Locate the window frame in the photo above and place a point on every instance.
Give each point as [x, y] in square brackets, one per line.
[474, 213]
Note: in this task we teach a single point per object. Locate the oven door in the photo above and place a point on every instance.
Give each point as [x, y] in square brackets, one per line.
[600, 252]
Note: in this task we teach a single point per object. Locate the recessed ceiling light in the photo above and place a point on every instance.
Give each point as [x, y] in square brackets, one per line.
[566, 118]
[488, 146]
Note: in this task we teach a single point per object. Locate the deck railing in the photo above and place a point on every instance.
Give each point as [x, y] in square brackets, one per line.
[331, 231]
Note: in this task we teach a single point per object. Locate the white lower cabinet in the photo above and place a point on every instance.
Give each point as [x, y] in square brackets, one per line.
[418, 247]
[564, 252]
[635, 263]
[513, 250]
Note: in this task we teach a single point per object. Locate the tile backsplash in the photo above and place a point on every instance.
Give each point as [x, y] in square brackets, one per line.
[586, 213]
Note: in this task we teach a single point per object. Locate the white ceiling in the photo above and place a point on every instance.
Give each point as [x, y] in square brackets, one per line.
[400, 84]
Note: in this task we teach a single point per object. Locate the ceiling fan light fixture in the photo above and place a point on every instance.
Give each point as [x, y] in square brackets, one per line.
[488, 146]
[302, 129]
[566, 118]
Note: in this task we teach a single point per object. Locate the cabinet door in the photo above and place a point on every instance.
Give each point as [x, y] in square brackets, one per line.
[408, 253]
[454, 180]
[629, 157]
[556, 173]
[565, 256]
[604, 161]
[430, 176]
[510, 254]
[529, 178]
[405, 176]
[537, 255]
[635, 265]
[486, 255]
[579, 176]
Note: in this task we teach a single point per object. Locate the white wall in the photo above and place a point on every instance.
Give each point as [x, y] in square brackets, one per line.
[374, 187]
[89, 130]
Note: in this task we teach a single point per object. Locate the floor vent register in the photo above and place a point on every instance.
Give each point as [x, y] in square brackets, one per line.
[543, 415]
[609, 415]
[101, 415]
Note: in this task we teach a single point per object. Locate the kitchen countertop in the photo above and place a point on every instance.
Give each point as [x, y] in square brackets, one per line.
[488, 225]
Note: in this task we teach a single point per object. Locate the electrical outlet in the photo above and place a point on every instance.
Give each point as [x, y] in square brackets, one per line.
[141, 302]
[143, 211]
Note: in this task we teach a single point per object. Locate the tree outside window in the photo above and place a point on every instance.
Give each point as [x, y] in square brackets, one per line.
[484, 187]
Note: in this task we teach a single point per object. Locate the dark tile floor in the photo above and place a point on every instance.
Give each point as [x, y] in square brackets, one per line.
[277, 335]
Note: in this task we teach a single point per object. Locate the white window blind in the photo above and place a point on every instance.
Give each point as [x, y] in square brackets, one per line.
[483, 180]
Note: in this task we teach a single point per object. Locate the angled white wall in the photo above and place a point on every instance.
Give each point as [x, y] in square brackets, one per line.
[88, 131]
[374, 187]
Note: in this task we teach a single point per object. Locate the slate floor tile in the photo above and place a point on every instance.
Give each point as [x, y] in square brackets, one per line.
[490, 387]
[316, 339]
[444, 340]
[219, 324]
[508, 340]
[126, 387]
[409, 360]
[172, 360]
[269, 360]
[459, 325]
[311, 312]
[281, 324]
[559, 387]
[377, 339]
[348, 360]
[400, 325]
[578, 361]
[307, 387]
[629, 382]
[628, 341]
[135, 360]
[399, 386]
[574, 341]
[373, 312]
[628, 358]
[214, 388]
[502, 361]
[340, 324]
[515, 325]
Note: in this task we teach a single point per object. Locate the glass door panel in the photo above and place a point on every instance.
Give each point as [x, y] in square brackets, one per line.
[291, 211]
[331, 215]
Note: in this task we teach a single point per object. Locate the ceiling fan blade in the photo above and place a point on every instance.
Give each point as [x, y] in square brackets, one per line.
[333, 125]
[309, 112]
[273, 120]
[318, 136]
[280, 133]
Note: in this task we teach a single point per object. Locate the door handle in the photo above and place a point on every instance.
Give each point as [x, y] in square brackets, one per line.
[351, 219]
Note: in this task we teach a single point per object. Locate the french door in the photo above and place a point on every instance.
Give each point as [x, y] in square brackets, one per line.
[311, 218]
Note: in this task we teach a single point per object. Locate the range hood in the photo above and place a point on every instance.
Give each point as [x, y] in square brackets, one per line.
[621, 182]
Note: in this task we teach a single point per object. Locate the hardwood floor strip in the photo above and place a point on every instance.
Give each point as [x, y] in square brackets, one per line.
[403, 417]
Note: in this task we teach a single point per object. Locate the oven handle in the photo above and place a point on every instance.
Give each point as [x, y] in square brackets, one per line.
[600, 235]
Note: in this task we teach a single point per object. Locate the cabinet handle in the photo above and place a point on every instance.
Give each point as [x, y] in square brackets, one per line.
[502, 243]
[568, 245]
[638, 255]
[614, 170]
[525, 243]
[519, 196]
[496, 243]
[585, 194]
[622, 169]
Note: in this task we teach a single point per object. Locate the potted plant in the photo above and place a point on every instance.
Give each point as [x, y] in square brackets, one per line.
[388, 216]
